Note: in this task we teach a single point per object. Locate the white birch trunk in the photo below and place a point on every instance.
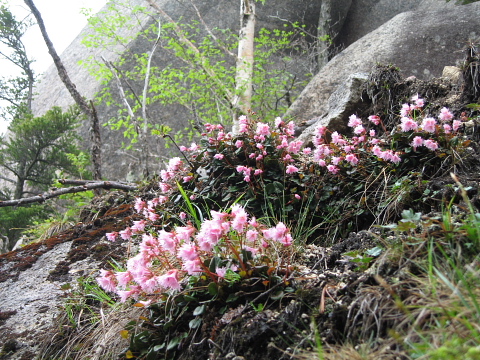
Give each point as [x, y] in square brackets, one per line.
[243, 79]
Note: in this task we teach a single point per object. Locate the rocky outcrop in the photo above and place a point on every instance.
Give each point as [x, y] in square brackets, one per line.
[365, 16]
[36, 280]
[342, 103]
[419, 43]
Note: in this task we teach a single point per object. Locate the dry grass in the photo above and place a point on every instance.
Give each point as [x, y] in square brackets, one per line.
[92, 339]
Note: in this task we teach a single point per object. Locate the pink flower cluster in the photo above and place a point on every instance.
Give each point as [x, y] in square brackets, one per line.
[348, 150]
[255, 138]
[167, 257]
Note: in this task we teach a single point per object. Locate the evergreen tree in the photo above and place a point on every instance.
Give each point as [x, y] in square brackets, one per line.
[36, 147]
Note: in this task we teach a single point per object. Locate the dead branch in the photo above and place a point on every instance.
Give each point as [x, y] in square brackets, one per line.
[85, 186]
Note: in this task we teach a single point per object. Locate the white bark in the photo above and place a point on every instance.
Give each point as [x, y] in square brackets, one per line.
[245, 59]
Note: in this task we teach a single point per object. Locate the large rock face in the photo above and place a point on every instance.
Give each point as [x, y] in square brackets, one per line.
[419, 43]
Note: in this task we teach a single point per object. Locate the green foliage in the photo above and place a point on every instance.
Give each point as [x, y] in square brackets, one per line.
[15, 90]
[201, 80]
[14, 221]
[37, 147]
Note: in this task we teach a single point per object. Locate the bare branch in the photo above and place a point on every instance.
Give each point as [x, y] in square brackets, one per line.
[210, 32]
[203, 62]
[85, 187]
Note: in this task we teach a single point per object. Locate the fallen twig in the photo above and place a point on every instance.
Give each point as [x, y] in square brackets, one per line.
[84, 185]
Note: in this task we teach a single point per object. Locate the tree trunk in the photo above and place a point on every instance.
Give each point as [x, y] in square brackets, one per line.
[88, 110]
[19, 188]
[244, 72]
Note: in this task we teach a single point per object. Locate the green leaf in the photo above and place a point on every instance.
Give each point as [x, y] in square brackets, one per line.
[199, 310]
[195, 323]
[213, 289]
[376, 251]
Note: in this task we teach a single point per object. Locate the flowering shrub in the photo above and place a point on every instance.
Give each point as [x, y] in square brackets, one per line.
[416, 135]
[265, 163]
[227, 247]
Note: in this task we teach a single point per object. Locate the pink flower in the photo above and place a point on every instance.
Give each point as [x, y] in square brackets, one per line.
[112, 236]
[169, 280]
[408, 124]
[134, 292]
[210, 233]
[320, 130]
[307, 150]
[221, 271]
[418, 102]
[183, 215]
[162, 199]
[139, 204]
[278, 122]
[333, 169]
[377, 151]
[107, 280]
[164, 187]
[322, 163]
[337, 139]
[126, 234]
[447, 128]
[167, 241]
[295, 146]
[428, 125]
[405, 110]
[174, 164]
[219, 156]
[167, 175]
[359, 130]
[257, 172]
[194, 147]
[219, 216]
[291, 169]
[431, 144]
[238, 144]
[187, 252]
[263, 129]
[298, 197]
[187, 179]
[352, 159]
[251, 235]
[246, 178]
[417, 141]
[456, 125]
[152, 216]
[123, 278]
[254, 251]
[253, 222]
[354, 121]
[275, 233]
[372, 133]
[184, 233]
[395, 158]
[336, 160]
[374, 119]
[138, 226]
[445, 114]
[240, 218]
[192, 267]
